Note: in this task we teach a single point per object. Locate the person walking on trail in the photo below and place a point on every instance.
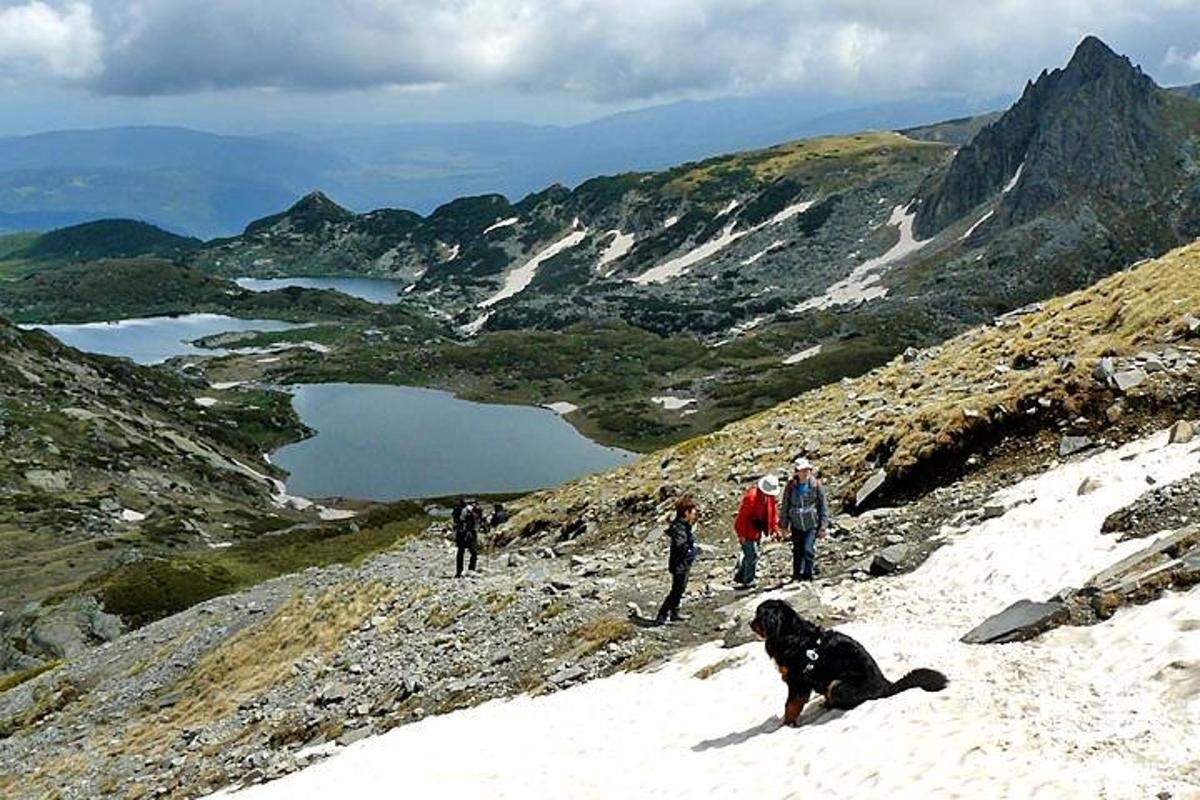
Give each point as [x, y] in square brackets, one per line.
[757, 516]
[468, 521]
[682, 533]
[806, 513]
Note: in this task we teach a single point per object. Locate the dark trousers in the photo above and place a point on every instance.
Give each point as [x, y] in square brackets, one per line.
[670, 606]
[804, 554]
[464, 545]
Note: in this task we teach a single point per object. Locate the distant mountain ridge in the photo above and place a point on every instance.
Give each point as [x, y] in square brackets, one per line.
[212, 185]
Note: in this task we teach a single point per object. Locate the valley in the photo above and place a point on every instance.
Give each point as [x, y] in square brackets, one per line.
[226, 466]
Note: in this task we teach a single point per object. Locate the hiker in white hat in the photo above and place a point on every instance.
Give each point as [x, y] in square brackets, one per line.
[806, 513]
[758, 515]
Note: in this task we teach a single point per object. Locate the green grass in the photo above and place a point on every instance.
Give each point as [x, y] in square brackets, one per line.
[154, 588]
[15, 679]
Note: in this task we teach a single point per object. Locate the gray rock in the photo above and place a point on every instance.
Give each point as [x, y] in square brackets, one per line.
[1088, 486]
[334, 692]
[889, 559]
[1182, 432]
[1105, 369]
[1070, 445]
[1022, 620]
[567, 675]
[870, 488]
[1127, 379]
[357, 735]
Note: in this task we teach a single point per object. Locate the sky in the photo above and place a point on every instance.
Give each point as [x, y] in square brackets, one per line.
[241, 65]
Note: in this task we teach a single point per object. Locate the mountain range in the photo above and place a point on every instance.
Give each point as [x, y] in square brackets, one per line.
[206, 185]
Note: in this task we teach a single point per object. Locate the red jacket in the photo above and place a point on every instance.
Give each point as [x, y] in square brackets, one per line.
[758, 514]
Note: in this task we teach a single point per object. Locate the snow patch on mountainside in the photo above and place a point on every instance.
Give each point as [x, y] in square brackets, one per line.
[504, 223]
[1102, 711]
[668, 270]
[517, 280]
[862, 283]
[978, 222]
[772, 247]
[621, 244]
[1014, 180]
[803, 355]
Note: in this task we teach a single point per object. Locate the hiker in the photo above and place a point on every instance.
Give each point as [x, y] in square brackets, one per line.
[757, 516]
[468, 521]
[806, 513]
[682, 533]
[499, 516]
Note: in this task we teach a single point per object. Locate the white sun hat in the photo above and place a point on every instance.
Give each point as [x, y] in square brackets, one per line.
[802, 463]
[768, 484]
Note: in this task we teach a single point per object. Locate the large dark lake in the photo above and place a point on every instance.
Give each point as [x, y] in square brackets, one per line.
[396, 442]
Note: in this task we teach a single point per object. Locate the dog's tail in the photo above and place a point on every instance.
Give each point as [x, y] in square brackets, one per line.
[928, 679]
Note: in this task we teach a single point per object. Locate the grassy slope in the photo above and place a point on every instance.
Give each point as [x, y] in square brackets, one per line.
[920, 420]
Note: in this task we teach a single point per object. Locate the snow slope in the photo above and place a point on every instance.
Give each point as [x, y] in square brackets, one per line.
[519, 279]
[863, 282]
[673, 268]
[1107, 711]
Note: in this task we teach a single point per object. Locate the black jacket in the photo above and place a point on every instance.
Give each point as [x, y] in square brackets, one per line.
[683, 546]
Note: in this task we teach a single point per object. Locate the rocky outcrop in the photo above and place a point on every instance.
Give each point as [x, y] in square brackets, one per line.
[1097, 128]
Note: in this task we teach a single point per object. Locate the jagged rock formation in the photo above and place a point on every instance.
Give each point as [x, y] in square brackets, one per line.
[1098, 132]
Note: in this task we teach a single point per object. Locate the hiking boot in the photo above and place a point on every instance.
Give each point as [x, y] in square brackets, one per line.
[661, 621]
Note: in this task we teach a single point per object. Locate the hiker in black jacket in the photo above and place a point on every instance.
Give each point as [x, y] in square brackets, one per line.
[468, 520]
[682, 534]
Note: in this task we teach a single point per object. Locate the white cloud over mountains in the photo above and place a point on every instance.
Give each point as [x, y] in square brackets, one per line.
[599, 49]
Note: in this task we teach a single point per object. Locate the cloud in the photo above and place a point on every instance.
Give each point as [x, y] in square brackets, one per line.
[605, 50]
[1177, 59]
[37, 39]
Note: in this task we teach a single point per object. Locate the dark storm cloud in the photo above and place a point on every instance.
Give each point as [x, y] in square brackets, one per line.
[598, 49]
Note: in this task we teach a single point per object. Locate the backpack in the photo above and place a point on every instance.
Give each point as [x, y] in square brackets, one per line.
[803, 511]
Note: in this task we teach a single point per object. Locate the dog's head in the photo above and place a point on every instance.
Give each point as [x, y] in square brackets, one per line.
[775, 618]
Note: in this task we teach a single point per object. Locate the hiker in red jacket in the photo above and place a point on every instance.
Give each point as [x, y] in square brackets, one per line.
[758, 515]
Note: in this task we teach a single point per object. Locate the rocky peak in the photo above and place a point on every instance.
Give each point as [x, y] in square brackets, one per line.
[1092, 126]
[309, 214]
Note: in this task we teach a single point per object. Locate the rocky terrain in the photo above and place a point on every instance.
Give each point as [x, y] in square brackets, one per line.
[108, 467]
[251, 686]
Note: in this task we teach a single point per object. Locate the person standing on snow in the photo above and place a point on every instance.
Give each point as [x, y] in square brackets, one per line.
[757, 516]
[807, 515]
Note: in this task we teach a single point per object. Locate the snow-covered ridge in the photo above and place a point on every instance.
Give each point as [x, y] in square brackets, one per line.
[862, 283]
[1103, 711]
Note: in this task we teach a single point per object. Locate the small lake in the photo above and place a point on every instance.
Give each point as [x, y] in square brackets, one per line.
[152, 340]
[395, 442]
[373, 290]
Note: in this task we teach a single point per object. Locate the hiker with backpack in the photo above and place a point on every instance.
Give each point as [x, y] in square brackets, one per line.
[468, 524]
[682, 535]
[757, 516]
[806, 512]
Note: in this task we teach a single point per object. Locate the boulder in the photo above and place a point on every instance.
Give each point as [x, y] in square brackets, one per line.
[1105, 370]
[1127, 379]
[870, 488]
[889, 559]
[1022, 620]
[1182, 432]
[1070, 445]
